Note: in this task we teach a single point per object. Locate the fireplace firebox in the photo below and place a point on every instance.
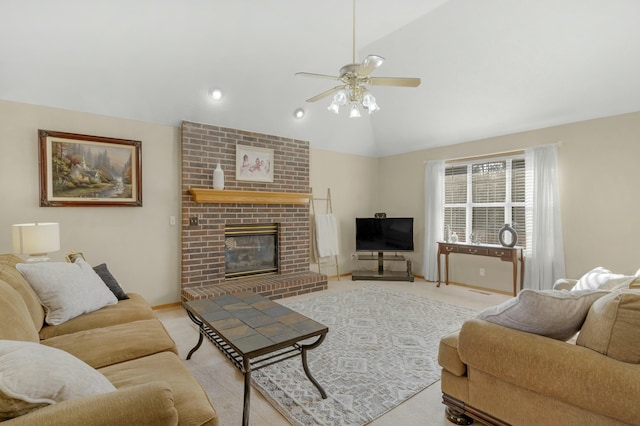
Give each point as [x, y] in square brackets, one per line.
[250, 250]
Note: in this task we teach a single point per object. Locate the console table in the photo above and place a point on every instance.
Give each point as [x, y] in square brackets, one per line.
[506, 254]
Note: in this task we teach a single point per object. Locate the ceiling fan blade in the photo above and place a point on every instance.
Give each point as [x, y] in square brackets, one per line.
[325, 94]
[369, 64]
[310, 74]
[394, 81]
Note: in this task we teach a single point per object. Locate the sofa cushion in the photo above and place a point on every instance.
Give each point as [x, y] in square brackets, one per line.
[191, 401]
[15, 319]
[104, 346]
[67, 290]
[558, 314]
[135, 308]
[36, 374]
[612, 326]
[604, 279]
[110, 281]
[10, 274]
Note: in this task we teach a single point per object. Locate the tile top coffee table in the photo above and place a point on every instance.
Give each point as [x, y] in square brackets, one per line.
[254, 332]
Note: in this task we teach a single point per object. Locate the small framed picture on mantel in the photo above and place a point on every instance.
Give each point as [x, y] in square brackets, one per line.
[254, 164]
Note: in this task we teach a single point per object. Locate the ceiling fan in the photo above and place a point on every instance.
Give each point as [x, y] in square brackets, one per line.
[354, 78]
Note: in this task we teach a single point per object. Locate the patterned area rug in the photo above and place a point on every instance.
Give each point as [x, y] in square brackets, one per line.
[381, 350]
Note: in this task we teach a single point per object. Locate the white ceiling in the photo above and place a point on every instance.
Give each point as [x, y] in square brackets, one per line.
[488, 67]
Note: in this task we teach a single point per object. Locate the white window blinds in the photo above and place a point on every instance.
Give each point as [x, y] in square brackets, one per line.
[481, 196]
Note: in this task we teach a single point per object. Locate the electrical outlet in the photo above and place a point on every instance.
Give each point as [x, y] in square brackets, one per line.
[482, 272]
[193, 221]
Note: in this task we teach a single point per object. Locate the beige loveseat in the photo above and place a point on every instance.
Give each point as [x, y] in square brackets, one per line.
[124, 342]
[501, 375]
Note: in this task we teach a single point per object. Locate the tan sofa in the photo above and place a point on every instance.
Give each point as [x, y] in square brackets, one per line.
[500, 375]
[125, 342]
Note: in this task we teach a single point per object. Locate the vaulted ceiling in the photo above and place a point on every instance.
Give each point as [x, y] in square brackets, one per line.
[488, 67]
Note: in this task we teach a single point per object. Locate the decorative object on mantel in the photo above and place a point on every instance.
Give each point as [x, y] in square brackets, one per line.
[454, 238]
[218, 177]
[254, 164]
[82, 170]
[508, 236]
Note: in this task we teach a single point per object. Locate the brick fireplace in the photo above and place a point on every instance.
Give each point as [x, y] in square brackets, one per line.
[283, 202]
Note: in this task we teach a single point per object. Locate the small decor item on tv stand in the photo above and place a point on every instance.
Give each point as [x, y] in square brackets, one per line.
[380, 215]
[218, 178]
[508, 236]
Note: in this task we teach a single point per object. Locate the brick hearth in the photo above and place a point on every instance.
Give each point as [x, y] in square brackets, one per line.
[204, 146]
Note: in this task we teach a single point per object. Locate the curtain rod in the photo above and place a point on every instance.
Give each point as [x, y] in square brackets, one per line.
[494, 155]
[485, 157]
[482, 157]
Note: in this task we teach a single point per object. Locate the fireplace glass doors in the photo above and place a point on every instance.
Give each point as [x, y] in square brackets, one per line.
[250, 250]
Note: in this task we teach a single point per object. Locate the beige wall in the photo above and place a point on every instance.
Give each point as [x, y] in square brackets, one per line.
[137, 243]
[353, 180]
[598, 197]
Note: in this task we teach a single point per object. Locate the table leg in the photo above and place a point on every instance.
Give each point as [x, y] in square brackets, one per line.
[197, 322]
[306, 367]
[247, 391]
[438, 268]
[446, 268]
[515, 273]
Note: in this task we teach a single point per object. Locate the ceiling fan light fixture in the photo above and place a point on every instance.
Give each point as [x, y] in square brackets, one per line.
[334, 108]
[355, 111]
[369, 102]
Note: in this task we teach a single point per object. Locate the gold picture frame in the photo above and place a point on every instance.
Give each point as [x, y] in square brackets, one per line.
[73, 255]
[82, 170]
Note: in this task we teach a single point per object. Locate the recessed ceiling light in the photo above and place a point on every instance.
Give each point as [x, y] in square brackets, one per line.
[215, 94]
[298, 113]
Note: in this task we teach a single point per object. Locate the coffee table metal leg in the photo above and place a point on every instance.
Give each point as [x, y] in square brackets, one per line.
[247, 391]
[306, 368]
[200, 337]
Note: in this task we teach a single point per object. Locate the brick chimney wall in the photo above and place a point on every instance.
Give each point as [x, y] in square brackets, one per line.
[203, 147]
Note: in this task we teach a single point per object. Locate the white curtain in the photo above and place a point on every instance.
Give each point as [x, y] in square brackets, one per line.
[433, 219]
[545, 251]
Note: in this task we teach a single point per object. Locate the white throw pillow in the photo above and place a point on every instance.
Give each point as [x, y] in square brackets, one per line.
[67, 290]
[603, 279]
[39, 374]
[558, 314]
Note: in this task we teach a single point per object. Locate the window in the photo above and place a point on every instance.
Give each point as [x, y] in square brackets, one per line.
[481, 196]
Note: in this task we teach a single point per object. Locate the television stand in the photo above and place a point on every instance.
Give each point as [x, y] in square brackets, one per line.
[381, 274]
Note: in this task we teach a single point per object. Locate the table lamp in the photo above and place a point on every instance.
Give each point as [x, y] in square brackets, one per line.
[36, 240]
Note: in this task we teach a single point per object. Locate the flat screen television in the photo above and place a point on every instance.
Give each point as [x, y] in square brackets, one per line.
[384, 234]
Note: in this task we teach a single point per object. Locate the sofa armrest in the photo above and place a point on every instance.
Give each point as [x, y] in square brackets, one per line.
[146, 404]
[572, 374]
[448, 356]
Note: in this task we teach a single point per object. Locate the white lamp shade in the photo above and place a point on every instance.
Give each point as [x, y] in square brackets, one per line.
[36, 238]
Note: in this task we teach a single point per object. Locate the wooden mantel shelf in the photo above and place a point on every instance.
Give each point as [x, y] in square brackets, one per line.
[226, 196]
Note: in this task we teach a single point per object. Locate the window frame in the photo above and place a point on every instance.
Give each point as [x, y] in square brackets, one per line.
[469, 204]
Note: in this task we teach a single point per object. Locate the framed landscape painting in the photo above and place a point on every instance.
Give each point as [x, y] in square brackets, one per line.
[254, 164]
[83, 170]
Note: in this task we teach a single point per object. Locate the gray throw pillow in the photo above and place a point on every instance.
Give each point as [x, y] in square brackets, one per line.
[558, 314]
[110, 281]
